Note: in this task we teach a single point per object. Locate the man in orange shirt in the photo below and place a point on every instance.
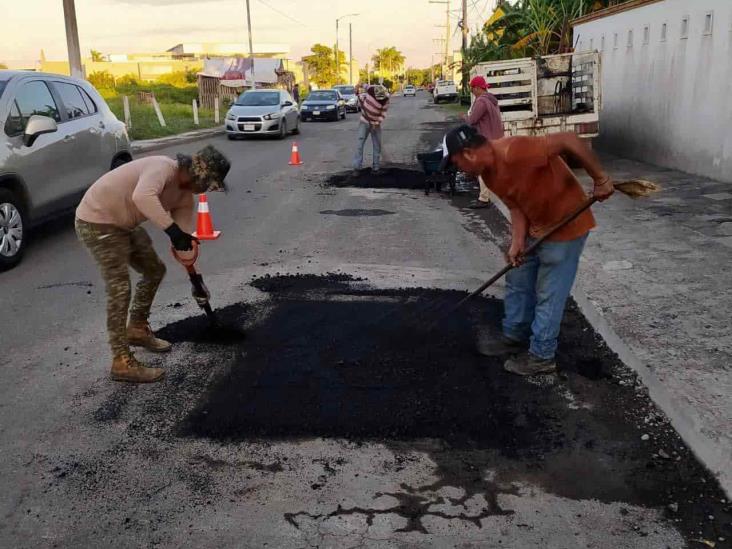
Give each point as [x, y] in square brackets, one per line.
[530, 176]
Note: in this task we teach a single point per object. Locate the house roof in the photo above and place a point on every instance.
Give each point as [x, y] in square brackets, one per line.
[612, 10]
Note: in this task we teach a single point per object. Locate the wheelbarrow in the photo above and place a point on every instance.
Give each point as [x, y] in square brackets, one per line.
[436, 177]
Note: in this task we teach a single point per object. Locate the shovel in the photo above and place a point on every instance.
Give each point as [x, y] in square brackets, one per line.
[634, 188]
[199, 290]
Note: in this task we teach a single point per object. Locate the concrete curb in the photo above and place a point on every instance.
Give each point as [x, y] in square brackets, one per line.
[147, 145]
[681, 417]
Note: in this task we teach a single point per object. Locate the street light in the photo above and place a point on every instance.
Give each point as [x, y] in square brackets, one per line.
[337, 64]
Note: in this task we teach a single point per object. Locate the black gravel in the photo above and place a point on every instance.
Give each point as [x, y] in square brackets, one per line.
[328, 356]
[387, 178]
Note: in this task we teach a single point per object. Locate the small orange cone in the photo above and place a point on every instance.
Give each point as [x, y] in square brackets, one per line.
[295, 155]
[204, 226]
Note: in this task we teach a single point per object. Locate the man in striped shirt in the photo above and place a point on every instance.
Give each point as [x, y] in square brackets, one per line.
[374, 104]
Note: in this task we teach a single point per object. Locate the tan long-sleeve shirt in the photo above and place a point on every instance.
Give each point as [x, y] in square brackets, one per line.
[137, 191]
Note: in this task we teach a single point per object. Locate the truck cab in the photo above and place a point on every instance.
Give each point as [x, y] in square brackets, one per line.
[445, 90]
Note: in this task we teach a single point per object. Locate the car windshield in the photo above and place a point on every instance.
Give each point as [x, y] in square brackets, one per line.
[3, 83]
[258, 99]
[322, 96]
[446, 83]
[347, 90]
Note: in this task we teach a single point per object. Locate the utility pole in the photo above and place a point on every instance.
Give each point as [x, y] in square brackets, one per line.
[337, 64]
[464, 65]
[251, 48]
[447, 33]
[350, 53]
[72, 39]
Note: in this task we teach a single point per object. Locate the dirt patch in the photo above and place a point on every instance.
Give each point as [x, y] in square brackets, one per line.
[387, 178]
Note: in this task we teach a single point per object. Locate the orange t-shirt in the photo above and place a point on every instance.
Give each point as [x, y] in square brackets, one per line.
[543, 187]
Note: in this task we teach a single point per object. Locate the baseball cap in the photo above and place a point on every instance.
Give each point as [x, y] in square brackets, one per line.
[479, 82]
[209, 169]
[458, 139]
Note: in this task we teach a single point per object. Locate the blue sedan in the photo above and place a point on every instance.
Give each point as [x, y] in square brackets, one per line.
[323, 105]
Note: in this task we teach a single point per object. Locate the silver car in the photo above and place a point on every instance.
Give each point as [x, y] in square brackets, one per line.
[57, 137]
[263, 112]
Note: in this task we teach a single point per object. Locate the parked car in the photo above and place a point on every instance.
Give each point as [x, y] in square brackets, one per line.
[263, 112]
[349, 95]
[57, 137]
[445, 90]
[410, 90]
[323, 105]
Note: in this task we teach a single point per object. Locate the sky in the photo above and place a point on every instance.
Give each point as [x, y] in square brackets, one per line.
[130, 26]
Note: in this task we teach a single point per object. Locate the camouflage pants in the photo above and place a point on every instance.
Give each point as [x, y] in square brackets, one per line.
[115, 250]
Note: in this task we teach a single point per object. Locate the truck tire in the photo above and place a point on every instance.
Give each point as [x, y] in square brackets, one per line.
[13, 230]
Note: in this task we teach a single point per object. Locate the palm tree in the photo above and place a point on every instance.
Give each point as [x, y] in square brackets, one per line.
[388, 59]
[537, 27]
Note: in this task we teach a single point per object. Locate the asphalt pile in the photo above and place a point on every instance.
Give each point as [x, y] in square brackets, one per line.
[387, 178]
[329, 356]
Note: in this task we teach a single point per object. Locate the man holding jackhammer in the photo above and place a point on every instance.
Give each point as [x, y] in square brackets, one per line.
[108, 222]
[532, 179]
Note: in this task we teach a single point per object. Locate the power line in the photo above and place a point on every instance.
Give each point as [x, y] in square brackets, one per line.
[283, 14]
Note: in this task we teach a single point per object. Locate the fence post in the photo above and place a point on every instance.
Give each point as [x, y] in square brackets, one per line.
[126, 107]
[216, 110]
[158, 111]
[195, 112]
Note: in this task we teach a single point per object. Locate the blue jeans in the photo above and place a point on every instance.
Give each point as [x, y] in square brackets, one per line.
[364, 130]
[536, 293]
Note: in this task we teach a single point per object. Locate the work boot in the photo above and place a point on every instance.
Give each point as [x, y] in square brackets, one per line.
[127, 368]
[490, 343]
[527, 364]
[139, 334]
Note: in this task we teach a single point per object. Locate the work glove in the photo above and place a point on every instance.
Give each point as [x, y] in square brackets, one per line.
[182, 241]
[199, 291]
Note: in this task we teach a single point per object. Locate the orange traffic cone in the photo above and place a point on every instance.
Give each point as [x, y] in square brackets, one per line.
[295, 155]
[204, 227]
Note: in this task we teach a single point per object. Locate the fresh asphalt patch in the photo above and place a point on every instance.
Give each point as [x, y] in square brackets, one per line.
[332, 357]
[358, 212]
[387, 178]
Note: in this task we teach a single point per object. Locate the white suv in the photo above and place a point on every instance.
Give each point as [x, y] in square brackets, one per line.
[57, 137]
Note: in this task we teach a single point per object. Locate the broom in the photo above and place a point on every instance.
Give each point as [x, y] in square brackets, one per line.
[633, 188]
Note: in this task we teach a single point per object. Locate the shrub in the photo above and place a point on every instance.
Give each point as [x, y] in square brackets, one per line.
[102, 80]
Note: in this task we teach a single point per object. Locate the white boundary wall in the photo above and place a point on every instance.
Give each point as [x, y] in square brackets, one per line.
[667, 99]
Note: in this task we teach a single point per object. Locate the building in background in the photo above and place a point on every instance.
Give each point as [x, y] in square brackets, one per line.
[180, 58]
[666, 82]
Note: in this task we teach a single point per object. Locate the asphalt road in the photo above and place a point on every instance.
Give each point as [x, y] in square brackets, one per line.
[85, 462]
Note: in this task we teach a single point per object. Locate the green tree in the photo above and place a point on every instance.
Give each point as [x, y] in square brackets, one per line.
[96, 55]
[528, 28]
[388, 61]
[102, 80]
[321, 65]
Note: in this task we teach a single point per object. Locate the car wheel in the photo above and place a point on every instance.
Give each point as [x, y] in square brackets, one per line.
[296, 131]
[120, 161]
[283, 129]
[12, 230]
[343, 115]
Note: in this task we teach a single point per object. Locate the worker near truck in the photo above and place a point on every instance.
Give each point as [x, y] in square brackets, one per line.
[530, 176]
[484, 116]
[108, 223]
